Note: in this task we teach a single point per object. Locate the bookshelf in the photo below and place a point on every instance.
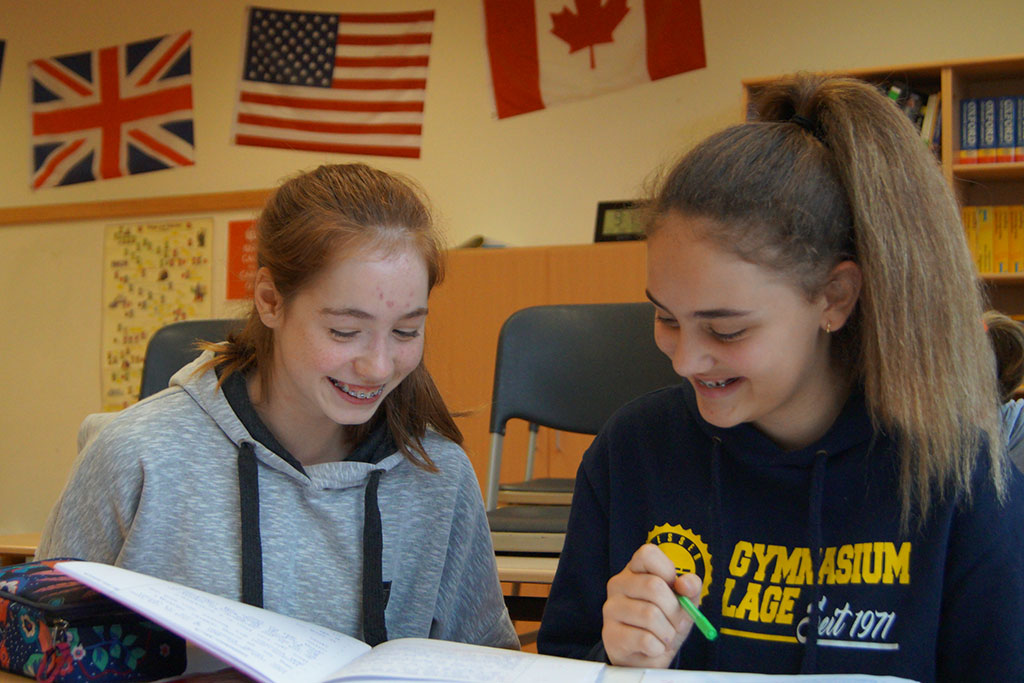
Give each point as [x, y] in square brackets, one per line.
[974, 184]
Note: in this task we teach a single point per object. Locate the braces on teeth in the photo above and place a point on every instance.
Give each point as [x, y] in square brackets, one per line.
[356, 394]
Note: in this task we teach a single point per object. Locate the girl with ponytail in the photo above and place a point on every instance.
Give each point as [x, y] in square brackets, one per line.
[829, 481]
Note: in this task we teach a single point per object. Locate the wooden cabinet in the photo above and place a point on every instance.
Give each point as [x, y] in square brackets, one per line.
[974, 184]
[482, 287]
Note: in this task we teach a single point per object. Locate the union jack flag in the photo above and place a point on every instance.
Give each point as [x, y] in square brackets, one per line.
[112, 112]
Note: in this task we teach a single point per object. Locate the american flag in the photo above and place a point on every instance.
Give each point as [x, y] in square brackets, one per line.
[112, 112]
[344, 83]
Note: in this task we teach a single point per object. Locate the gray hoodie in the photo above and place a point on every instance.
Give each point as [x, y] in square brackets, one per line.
[1013, 430]
[157, 492]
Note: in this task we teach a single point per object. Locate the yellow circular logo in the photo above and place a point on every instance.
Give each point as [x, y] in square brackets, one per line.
[687, 551]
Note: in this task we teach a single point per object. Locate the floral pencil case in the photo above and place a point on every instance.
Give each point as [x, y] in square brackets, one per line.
[53, 628]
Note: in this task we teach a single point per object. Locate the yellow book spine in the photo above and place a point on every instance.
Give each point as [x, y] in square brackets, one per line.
[986, 229]
[1016, 221]
[970, 219]
[1000, 239]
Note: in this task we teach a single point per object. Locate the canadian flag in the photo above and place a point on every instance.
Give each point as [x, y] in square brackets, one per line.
[545, 52]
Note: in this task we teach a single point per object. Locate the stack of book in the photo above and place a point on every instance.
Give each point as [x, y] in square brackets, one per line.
[995, 236]
[991, 129]
[923, 109]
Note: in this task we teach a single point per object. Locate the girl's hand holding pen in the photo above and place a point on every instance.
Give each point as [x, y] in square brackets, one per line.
[644, 624]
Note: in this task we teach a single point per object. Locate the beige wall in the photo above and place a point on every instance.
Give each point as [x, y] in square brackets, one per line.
[530, 180]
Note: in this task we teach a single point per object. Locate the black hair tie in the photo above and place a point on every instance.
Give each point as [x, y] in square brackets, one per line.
[808, 125]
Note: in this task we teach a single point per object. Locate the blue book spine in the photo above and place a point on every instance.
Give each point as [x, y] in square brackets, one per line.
[1006, 128]
[986, 130]
[968, 131]
[1018, 150]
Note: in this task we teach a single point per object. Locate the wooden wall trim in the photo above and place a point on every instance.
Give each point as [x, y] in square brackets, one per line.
[125, 208]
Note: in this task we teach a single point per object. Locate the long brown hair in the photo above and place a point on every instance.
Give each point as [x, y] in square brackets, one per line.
[1007, 337]
[310, 218]
[830, 170]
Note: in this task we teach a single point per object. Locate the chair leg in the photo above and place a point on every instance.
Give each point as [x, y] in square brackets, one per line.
[528, 638]
[493, 472]
[531, 450]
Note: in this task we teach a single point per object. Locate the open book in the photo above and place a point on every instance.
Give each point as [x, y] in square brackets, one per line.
[275, 648]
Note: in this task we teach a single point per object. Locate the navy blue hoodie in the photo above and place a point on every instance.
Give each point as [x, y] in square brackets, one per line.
[944, 602]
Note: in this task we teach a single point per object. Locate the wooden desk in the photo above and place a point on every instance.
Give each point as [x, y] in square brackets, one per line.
[520, 569]
[525, 569]
[18, 548]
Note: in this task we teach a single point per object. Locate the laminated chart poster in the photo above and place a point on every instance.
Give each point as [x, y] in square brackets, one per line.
[154, 274]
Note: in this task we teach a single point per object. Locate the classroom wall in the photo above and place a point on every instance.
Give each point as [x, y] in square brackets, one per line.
[529, 180]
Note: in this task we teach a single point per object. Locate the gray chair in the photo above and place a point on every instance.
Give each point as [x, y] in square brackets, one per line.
[169, 349]
[174, 346]
[565, 367]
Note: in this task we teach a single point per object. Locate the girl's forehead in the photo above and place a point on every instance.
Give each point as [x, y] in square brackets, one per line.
[399, 254]
[688, 271]
[381, 247]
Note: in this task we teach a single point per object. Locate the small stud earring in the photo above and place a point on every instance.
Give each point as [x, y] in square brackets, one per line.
[828, 327]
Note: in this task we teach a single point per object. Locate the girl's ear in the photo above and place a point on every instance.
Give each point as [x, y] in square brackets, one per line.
[841, 294]
[269, 302]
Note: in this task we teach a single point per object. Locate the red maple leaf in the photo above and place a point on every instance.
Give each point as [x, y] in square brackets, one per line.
[592, 24]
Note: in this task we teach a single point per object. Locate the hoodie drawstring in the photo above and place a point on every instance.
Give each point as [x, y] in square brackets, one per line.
[718, 527]
[375, 630]
[249, 507]
[810, 659]
[374, 627]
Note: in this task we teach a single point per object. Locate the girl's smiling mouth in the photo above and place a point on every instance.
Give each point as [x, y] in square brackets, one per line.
[356, 393]
[716, 384]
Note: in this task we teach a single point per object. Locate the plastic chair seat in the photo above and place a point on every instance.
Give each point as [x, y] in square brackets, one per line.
[541, 485]
[539, 491]
[529, 528]
[546, 519]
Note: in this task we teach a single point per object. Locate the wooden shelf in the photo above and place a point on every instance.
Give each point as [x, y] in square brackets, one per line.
[1003, 278]
[128, 208]
[1001, 171]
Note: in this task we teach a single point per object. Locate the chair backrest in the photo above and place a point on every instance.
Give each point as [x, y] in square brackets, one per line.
[569, 367]
[174, 346]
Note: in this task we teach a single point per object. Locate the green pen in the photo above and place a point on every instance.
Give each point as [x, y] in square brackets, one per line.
[699, 619]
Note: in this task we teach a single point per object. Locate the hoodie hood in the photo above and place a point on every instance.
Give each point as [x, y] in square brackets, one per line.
[851, 430]
[229, 407]
[202, 388]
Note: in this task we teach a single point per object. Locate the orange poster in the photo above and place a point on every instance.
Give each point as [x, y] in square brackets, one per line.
[241, 258]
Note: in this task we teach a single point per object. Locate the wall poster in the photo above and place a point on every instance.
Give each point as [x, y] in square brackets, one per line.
[154, 274]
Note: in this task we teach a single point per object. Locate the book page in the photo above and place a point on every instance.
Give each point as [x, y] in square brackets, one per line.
[662, 676]
[270, 647]
[419, 659]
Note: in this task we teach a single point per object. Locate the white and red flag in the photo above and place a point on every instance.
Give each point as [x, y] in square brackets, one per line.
[346, 83]
[546, 52]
